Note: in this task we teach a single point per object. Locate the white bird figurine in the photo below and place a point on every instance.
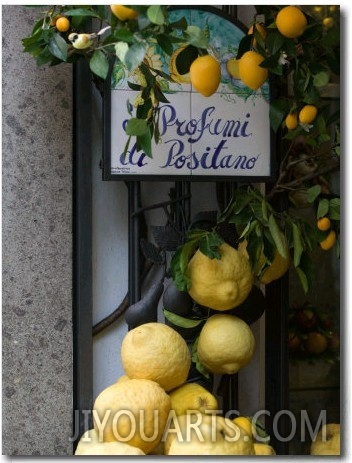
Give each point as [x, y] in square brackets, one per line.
[83, 41]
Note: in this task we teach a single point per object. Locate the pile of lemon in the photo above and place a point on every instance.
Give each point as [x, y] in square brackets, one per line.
[153, 410]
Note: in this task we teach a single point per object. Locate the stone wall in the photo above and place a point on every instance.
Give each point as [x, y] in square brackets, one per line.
[37, 246]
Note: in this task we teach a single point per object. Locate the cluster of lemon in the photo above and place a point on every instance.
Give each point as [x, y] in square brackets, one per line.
[152, 410]
[324, 224]
[205, 72]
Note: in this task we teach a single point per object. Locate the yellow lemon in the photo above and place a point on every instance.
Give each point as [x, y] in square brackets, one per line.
[123, 13]
[199, 434]
[251, 73]
[220, 284]
[225, 344]
[327, 441]
[205, 74]
[192, 396]
[276, 269]
[245, 424]
[329, 241]
[263, 449]
[88, 439]
[134, 411]
[291, 22]
[323, 223]
[232, 66]
[156, 351]
[307, 114]
[291, 121]
[111, 448]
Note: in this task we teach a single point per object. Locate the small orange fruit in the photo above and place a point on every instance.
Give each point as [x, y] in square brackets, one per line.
[291, 121]
[62, 24]
[323, 223]
[291, 22]
[250, 71]
[123, 13]
[329, 241]
[307, 114]
[205, 74]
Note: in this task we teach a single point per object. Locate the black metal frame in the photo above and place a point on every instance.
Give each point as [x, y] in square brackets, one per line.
[276, 384]
[106, 164]
[82, 247]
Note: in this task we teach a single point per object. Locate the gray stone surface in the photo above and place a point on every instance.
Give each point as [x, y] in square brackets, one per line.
[37, 246]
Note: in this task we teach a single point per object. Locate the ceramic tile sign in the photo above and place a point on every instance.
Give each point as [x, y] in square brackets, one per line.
[226, 135]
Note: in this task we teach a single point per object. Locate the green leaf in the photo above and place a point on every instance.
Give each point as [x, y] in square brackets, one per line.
[244, 45]
[264, 210]
[334, 209]
[297, 245]
[278, 236]
[145, 143]
[179, 265]
[165, 43]
[274, 42]
[58, 47]
[135, 56]
[99, 64]
[181, 321]
[81, 12]
[321, 79]
[121, 49]
[195, 36]
[209, 245]
[136, 127]
[277, 112]
[323, 208]
[313, 192]
[156, 15]
[195, 359]
[303, 279]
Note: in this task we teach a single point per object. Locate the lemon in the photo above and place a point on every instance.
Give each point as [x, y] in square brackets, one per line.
[122, 379]
[291, 121]
[250, 71]
[62, 24]
[157, 352]
[232, 66]
[278, 267]
[205, 74]
[291, 22]
[307, 114]
[225, 344]
[88, 439]
[134, 411]
[323, 223]
[123, 13]
[263, 449]
[111, 448]
[208, 435]
[245, 423]
[329, 241]
[220, 284]
[192, 396]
